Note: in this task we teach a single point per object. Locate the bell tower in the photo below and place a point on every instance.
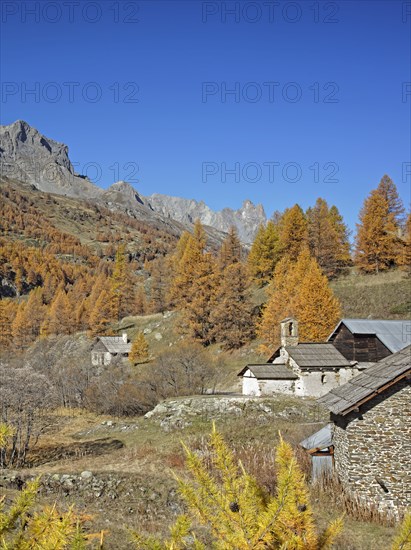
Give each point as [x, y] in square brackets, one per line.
[289, 332]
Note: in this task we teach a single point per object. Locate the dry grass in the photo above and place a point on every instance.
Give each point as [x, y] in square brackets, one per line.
[365, 528]
[380, 296]
[148, 501]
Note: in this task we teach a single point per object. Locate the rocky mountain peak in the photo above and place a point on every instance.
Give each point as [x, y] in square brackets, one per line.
[126, 190]
[29, 156]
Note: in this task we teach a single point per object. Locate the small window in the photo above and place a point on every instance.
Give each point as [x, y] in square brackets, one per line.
[291, 329]
[323, 379]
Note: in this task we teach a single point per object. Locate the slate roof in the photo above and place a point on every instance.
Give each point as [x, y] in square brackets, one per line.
[320, 440]
[395, 335]
[115, 344]
[368, 384]
[312, 355]
[269, 371]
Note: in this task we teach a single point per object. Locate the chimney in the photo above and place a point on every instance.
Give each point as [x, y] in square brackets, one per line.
[289, 332]
[124, 336]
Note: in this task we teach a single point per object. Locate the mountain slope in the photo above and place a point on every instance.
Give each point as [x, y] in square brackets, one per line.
[30, 157]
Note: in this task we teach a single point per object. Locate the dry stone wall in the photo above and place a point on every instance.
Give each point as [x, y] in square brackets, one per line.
[373, 450]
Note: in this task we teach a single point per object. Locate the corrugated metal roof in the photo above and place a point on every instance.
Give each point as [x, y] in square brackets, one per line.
[344, 398]
[115, 344]
[395, 335]
[269, 371]
[317, 355]
[320, 440]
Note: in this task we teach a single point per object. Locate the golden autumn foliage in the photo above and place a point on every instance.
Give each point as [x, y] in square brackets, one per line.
[293, 232]
[404, 257]
[193, 289]
[264, 253]
[328, 238]
[22, 528]
[5, 325]
[232, 315]
[389, 191]
[403, 539]
[29, 318]
[101, 315]
[299, 290]
[377, 240]
[139, 350]
[238, 512]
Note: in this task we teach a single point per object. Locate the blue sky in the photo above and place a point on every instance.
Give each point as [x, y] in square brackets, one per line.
[140, 91]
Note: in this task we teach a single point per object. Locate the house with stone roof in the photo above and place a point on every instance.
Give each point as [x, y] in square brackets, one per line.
[370, 434]
[299, 368]
[106, 348]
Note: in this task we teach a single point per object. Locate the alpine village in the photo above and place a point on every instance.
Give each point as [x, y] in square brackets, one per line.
[174, 377]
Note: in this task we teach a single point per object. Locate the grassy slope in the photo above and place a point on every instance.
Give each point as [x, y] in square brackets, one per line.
[382, 296]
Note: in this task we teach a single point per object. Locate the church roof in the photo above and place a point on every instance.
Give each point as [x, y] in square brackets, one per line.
[312, 355]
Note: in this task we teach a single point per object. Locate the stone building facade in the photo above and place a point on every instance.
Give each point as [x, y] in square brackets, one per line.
[373, 449]
[106, 348]
[306, 369]
[371, 433]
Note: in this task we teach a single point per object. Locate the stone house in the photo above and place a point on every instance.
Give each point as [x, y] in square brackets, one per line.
[370, 340]
[105, 348]
[266, 379]
[371, 433]
[303, 369]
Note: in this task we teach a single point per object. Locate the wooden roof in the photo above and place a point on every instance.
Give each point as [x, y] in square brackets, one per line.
[268, 371]
[368, 384]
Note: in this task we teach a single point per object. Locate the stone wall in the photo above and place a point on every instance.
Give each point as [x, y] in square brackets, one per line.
[372, 449]
[253, 386]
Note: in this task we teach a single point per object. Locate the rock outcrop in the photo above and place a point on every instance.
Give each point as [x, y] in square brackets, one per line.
[27, 155]
[180, 413]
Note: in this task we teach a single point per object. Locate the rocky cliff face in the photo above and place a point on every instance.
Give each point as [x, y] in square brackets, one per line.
[28, 156]
[246, 219]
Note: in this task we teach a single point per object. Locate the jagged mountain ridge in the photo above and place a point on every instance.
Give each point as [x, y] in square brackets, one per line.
[246, 219]
[28, 156]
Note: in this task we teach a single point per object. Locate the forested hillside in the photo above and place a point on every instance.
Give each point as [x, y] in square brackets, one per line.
[68, 266]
